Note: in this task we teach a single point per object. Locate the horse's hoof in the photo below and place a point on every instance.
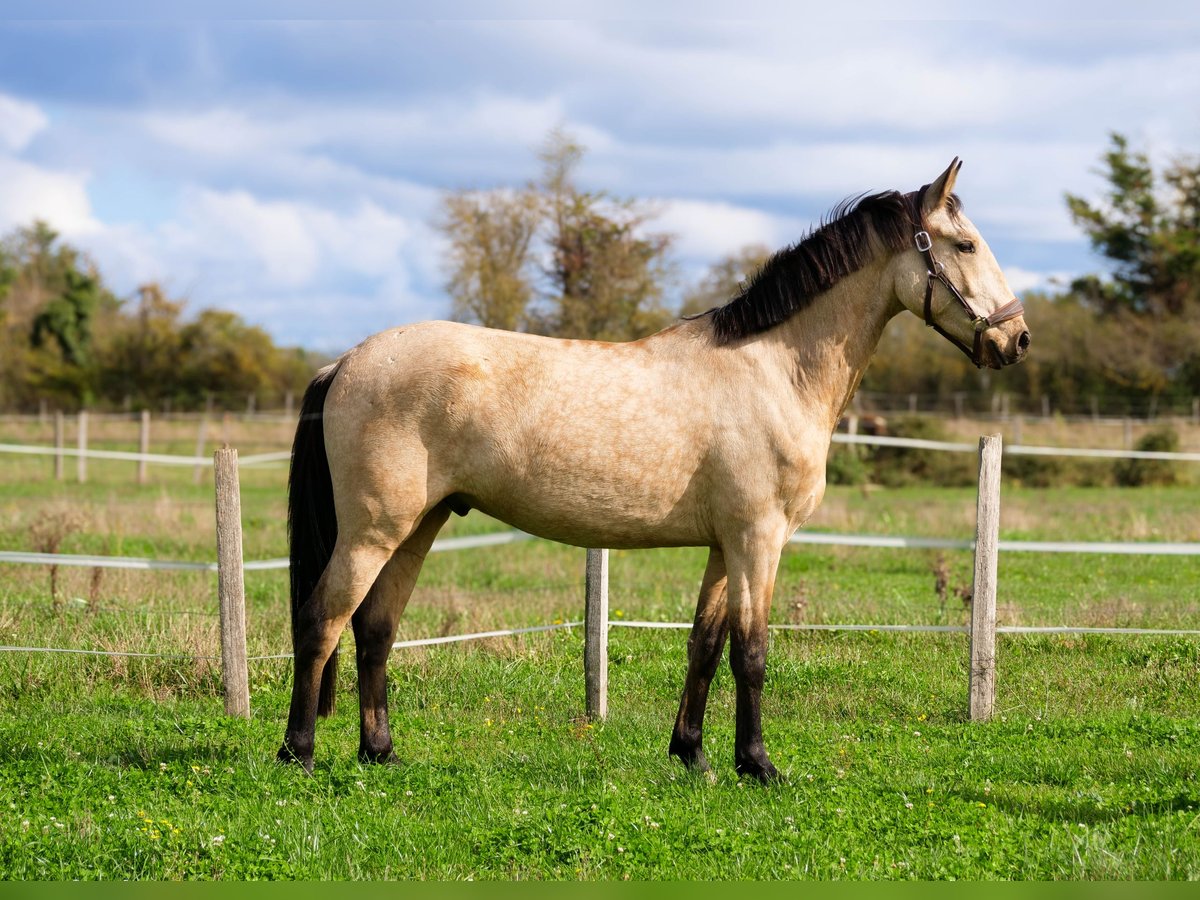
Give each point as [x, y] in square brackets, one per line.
[372, 758]
[287, 757]
[692, 757]
[762, 770]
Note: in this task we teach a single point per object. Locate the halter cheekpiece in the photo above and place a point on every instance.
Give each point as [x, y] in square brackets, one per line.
[936, 272]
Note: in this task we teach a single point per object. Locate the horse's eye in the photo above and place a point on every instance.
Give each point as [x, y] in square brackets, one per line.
[966, 247]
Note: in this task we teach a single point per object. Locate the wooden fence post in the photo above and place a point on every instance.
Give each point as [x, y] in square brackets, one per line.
[143, 444]
[595, 634]
[60, 428]
[288, 404]
[81, 460]
[230, 585]
[983, 603]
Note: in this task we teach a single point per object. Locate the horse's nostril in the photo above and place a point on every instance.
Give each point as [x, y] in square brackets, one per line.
[1023, 341]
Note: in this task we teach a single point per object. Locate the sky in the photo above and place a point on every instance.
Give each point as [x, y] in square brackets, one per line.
[290, 170]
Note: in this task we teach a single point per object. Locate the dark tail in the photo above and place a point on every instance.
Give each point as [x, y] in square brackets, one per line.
[312, 525]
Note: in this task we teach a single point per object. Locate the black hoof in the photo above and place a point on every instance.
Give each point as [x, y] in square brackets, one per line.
[689, 753]
[287, 756]
[378, 758]
[694, 759]
[762, 770]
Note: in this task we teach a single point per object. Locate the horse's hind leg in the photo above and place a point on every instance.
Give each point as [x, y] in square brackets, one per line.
[705, 645]
[351, 571]
[374, 626]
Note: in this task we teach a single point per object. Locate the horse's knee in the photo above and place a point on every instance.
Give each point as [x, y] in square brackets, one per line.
[748, 659]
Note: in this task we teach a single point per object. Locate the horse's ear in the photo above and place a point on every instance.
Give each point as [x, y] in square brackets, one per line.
[939, 192]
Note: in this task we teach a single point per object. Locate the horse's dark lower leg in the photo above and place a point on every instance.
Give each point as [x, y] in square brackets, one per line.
[374, 632]
[311, 654]
[318, 625]
[747, 659]
[705, 645]
[375, 624]
[751, 584]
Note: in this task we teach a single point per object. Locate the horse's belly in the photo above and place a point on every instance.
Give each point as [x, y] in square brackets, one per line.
[594, 517]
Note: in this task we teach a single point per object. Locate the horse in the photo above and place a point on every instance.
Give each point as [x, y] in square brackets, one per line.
[711, 433]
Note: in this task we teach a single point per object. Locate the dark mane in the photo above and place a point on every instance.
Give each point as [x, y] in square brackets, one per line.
[849, 236]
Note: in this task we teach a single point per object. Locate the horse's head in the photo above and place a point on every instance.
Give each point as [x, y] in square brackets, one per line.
[950, 278]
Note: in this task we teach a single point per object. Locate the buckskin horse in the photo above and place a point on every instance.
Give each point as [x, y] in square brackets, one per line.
[712, 433]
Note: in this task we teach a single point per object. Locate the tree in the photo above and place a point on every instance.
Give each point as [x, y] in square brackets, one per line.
[554, 259]
[1149, 228]
[489, 235]
[141, 353]
[725, 279]
[67, 318]
[606, 274]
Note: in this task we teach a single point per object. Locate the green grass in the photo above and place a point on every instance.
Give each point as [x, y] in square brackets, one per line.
[500, 779]
[126, 768]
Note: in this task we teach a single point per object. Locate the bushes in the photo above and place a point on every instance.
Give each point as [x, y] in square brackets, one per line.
[1139, 472]
[904, 466]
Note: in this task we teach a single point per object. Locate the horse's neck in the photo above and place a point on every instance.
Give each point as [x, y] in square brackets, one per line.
[829, 344]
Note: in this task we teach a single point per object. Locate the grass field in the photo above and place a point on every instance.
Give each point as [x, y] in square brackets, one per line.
[125, 768]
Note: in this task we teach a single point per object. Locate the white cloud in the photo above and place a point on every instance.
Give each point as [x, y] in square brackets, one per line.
[1022, 280]
[709, 230]
[20, 122]
[281, 245]
[32, 192]
[464, 123]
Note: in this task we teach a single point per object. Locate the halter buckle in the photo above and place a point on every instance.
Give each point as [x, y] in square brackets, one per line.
[923, 241]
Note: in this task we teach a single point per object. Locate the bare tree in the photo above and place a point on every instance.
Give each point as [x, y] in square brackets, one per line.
[554, 259]
[488, 263]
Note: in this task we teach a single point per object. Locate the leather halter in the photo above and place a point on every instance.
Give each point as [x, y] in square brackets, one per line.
[937, 272]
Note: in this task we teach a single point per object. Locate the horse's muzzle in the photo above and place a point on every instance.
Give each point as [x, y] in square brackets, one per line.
[1005, 347]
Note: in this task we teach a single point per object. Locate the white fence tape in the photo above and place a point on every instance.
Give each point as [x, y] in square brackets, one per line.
[419, 642]
[1127, 548]
[508, 632]
[164, 459]
[465, 542]
[1010, 449]
[1121, 548]
[958, 629]
[479, 635]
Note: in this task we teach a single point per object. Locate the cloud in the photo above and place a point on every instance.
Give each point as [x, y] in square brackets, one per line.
[316, 275]
[20, 122]
[709, 230]
[32, 192]
[1022, 280]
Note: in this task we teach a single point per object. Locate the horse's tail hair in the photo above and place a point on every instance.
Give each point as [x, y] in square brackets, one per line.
[312, 523]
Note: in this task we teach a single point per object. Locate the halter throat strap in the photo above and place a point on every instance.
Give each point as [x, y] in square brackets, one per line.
[936, 272]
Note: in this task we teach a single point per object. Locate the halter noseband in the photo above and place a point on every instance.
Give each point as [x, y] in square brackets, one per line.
[937, 272]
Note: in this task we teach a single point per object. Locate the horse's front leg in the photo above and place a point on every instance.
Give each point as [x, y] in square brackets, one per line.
[752, 563]
[705, 644]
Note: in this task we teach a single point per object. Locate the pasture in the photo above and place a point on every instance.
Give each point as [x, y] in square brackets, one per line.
[125, 767]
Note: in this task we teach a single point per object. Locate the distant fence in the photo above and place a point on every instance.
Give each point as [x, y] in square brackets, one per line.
[1002, 406]
[986, 545]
